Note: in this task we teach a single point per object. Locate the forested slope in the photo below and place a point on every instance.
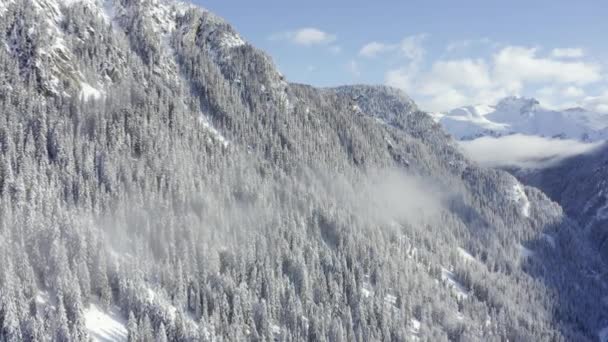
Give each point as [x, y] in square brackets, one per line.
[154, 164]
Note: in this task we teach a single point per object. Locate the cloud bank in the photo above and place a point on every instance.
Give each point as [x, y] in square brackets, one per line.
[448, 83]
[522, 151]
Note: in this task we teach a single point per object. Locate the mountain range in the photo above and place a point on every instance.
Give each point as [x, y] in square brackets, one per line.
[161, 180]
[519, 115]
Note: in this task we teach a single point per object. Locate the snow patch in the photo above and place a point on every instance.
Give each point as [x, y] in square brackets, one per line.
[216, 134]
[151, 294]
[230, 40]
[105, 326]
[88, 92]
[42, 298]
[525, 252]
[458, 289]
[518, 195]
[4, 6]
[466, 255]
[414, 328]
[366, 292]
[275, 330]
[390, 299]
[603, 335]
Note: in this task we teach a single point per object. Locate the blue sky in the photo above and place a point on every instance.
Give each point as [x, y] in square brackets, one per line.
[443, 53]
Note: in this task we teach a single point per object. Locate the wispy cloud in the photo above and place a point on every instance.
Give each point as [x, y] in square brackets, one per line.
[373, 49]
[409, 47]
[467, 43]
[568, 53]
[307, 36]
[353, 68]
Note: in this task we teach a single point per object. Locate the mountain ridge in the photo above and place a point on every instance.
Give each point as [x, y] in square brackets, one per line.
[519, 115]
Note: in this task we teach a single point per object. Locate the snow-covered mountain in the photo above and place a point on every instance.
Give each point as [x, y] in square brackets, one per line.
[161, 180]
[518, 115]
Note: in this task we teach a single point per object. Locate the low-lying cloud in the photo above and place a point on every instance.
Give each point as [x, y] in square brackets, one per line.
[523, 151]
[394, 195]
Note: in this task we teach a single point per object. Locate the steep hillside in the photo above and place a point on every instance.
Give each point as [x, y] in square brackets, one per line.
[580, 185]
[160, 179]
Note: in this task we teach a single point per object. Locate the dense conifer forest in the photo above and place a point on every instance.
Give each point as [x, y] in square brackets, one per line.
[155, 165]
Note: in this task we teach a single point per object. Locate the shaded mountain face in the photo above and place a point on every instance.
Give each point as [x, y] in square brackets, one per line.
[580, 185]
[518, 115]
[158, 174]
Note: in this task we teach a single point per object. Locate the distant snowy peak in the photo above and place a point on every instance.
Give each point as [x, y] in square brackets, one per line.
[519, 115]
[517, 104]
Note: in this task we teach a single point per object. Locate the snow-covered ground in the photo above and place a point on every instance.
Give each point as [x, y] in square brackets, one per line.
[414, 329]
[88, 92]
[42, 298]
[231, 40]
[458, 289]
[214, 132]
[105, 326]
[466, 255]
[518, 195]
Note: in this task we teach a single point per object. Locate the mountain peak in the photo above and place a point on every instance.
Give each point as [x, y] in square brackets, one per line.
[575, 110]
[518, 103]
[521, 115]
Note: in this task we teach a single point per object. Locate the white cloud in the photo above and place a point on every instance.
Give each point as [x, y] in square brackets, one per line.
[515, 64]
[399, 78]
[596, 103]
[464, 72]
[448, 83]
[374, 49]
[523, 151]
[568, 53]
[450, 98]
[411, 47]
[307, 36]
[558, 98]
[573, 91]
[511, 70]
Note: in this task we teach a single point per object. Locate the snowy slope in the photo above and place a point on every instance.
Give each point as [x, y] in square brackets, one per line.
[105, 326]
[518, 115]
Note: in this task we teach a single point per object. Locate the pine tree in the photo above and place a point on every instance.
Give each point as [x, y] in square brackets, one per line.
[133, 329]
[146, 332]
[161, 335]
